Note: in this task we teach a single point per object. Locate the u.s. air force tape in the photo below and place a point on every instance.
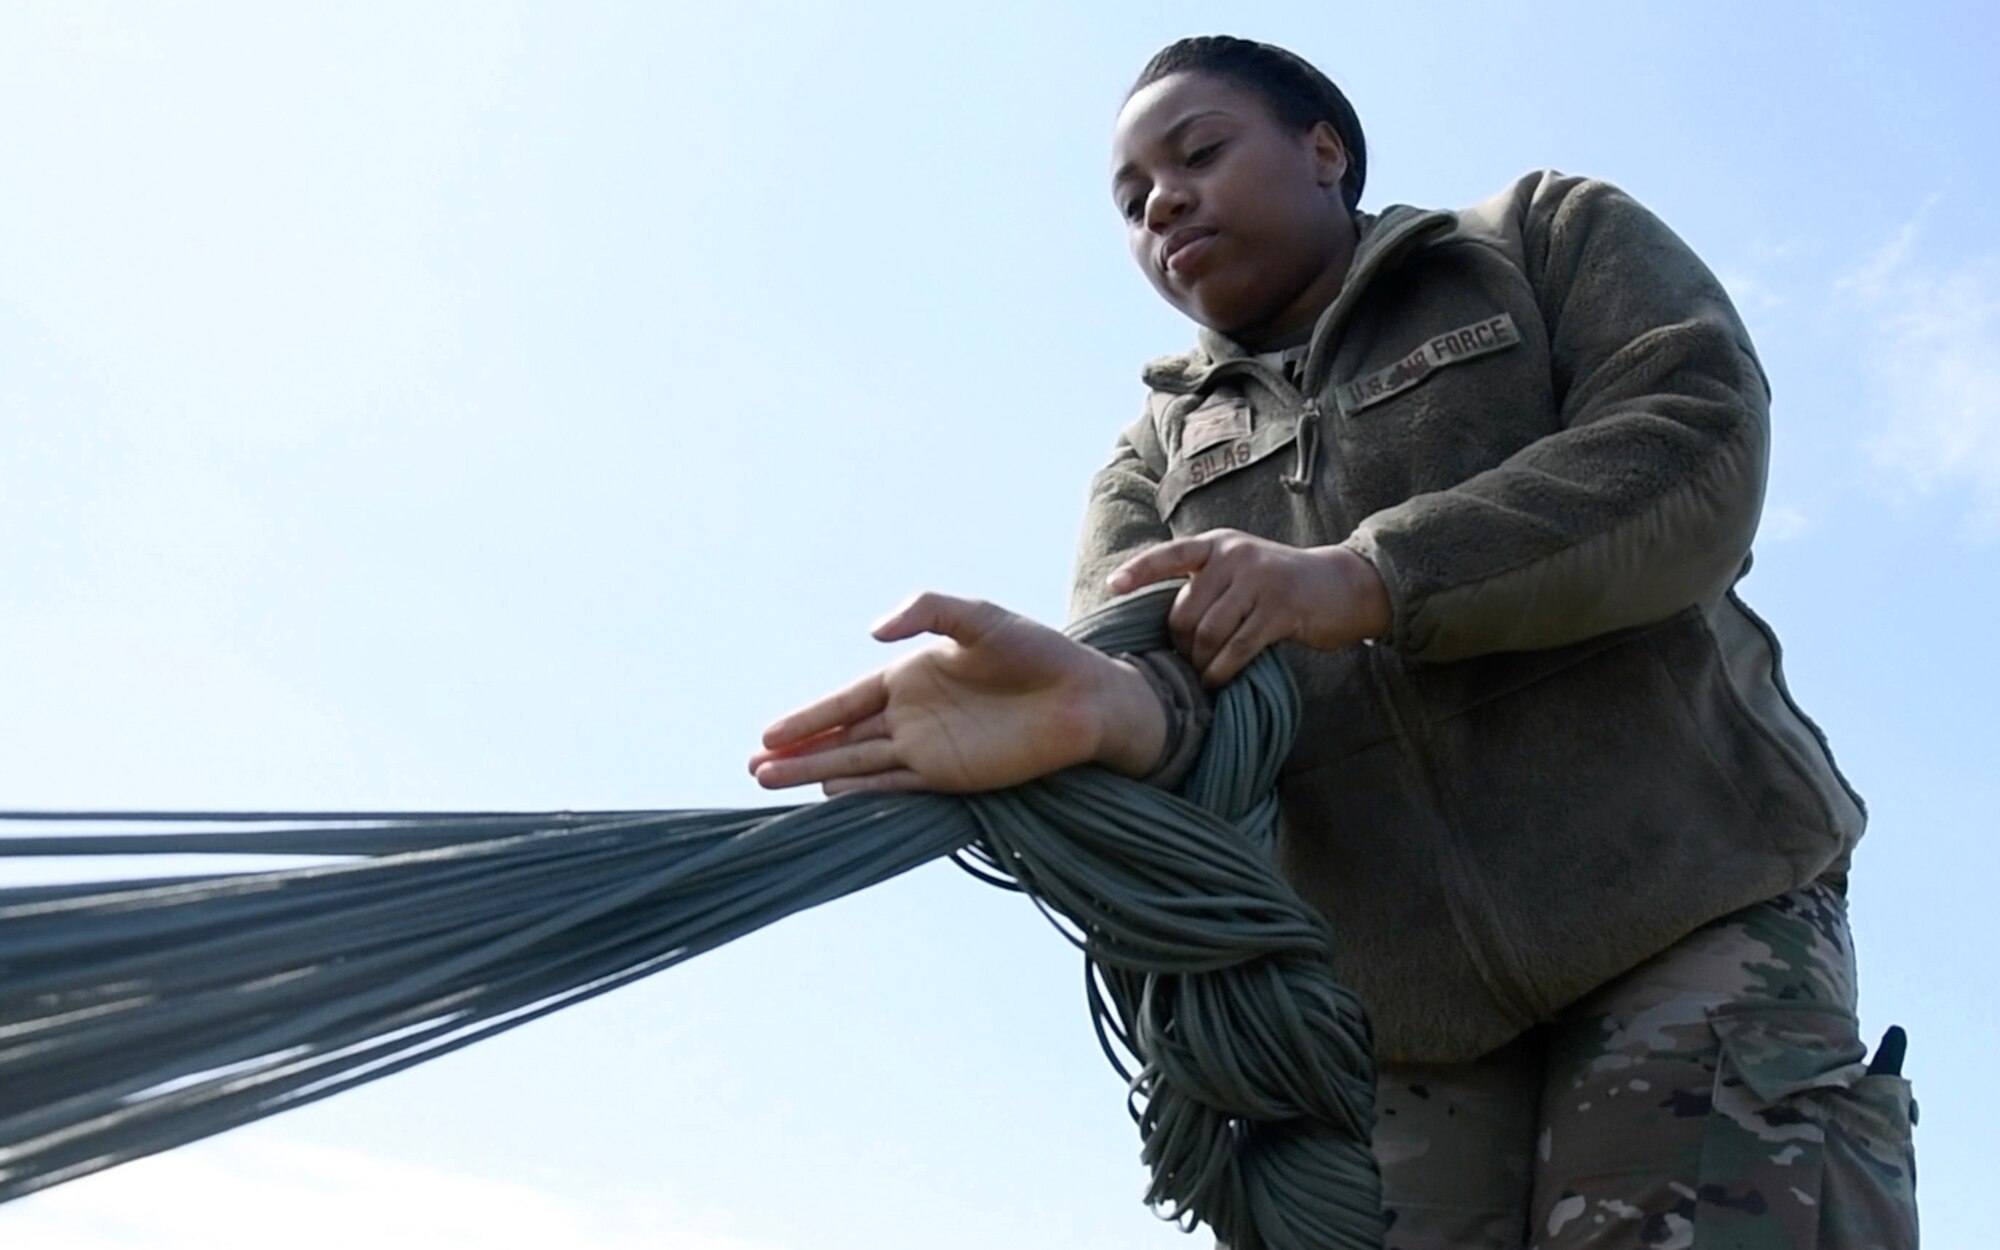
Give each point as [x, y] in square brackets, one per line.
[1491, 334]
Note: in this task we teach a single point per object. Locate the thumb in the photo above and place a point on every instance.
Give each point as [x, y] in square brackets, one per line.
[1179, 557]
[964, 621]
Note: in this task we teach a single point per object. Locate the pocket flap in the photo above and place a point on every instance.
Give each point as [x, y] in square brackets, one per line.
[1781, 1049]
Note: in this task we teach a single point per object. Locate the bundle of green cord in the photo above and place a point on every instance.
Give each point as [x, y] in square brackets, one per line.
[142, 1014]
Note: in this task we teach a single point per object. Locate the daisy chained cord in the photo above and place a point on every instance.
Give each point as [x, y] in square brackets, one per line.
[139, 1014]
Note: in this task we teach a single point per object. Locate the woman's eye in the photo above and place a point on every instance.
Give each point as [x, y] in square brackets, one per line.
[1132, 207]
[1203, 154]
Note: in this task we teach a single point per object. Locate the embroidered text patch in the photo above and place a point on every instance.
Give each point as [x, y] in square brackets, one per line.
[1490, 335]
[1222, 423]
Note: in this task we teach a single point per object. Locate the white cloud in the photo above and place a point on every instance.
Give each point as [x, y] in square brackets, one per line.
[1783, 523]
[1749, 291]
[1934, 361]
[312, 1197]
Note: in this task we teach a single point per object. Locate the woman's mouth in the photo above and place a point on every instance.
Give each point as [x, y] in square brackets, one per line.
[1184, 248]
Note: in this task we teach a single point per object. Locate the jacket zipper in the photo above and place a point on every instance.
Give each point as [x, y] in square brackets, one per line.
[1300, 479]
[1307, 418]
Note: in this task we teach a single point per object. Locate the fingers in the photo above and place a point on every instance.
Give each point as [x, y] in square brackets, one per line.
[831, 764]
[1244, 644]
[1218, 624]
[896, 780]
[1225, 615]
[843, 741]
[1193, 606]
[863, 699]
[875, 726]
[1180, 557]
[963, 620]
[1221, 633]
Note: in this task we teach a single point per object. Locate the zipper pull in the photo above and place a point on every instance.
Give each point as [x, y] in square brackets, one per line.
[1299, 481]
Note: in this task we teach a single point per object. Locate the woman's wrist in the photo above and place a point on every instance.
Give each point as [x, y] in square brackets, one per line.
[1366, 612]
[1130, 721]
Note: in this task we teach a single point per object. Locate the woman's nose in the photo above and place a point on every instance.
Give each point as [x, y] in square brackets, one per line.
[1167, 204]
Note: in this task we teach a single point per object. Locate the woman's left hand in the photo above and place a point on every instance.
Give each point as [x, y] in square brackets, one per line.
[1245, 593]
[1000, 700]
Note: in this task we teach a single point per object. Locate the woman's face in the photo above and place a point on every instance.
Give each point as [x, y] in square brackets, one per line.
[1236, 219]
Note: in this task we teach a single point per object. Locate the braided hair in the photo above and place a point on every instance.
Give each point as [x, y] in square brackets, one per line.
[1297, 94]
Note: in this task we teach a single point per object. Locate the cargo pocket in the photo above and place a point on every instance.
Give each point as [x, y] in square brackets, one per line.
[1869, 1196]
[1805, 1147]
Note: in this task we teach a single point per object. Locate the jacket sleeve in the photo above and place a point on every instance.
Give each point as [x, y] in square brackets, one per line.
[1644, 502]
[1123, 515]
[1122, 519]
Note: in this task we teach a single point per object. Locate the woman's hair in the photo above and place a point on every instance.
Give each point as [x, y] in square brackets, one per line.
[1298, 95]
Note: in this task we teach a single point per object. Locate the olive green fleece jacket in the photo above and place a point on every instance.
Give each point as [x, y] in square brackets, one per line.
[1543, 423]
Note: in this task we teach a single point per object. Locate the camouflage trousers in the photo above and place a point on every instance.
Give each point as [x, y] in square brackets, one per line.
[1713, 1098]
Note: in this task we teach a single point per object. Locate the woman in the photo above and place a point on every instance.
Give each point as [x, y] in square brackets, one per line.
[1487, 477]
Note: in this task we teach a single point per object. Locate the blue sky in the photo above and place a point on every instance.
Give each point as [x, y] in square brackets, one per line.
[519, 406]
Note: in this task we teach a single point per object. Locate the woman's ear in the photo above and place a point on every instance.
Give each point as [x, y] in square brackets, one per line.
[1329, 155]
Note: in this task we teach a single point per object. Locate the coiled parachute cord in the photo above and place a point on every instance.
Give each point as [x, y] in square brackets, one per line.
[138, 1015]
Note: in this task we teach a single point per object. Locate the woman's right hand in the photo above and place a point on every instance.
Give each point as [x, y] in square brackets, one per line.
[1000, 701]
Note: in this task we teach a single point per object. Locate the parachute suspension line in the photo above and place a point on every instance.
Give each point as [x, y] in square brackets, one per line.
[138, 1015]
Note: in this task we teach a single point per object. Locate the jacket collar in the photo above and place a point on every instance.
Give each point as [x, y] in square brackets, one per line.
[1383, 240]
